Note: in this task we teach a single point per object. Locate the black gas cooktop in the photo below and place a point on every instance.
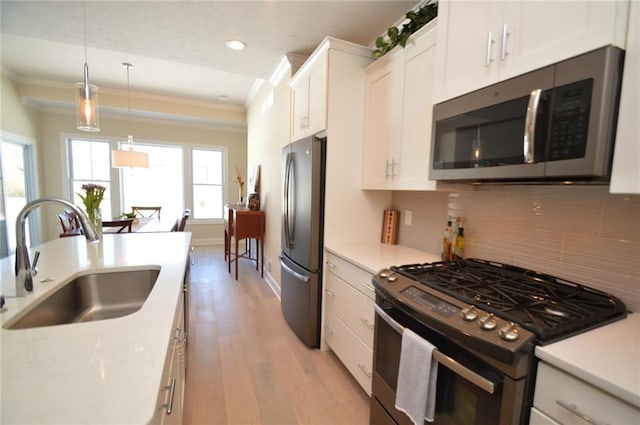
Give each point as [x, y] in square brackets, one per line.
[548, 306]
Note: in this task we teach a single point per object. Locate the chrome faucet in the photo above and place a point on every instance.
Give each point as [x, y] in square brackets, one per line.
[24, 270]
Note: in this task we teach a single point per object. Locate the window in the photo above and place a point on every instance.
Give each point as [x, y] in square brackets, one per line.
[207, 172]
[90, 163]
[178, 177]
[162, 184]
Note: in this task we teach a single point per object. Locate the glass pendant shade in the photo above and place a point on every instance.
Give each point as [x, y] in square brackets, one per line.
[87, 104]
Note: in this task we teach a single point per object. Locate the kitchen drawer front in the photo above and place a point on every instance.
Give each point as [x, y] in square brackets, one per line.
[539, 418]
[356, 356]
[354, 275]
[554, 385]
[351, 306]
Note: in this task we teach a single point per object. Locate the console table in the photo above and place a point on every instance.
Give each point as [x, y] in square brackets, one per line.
[242, 223]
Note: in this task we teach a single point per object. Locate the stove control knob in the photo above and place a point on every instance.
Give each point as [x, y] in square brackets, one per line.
[384, 274]
[488, 322]
[509, 332]
[469, 313]
[392, 278]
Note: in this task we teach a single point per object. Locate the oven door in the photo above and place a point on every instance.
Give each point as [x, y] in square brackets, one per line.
[469, 391]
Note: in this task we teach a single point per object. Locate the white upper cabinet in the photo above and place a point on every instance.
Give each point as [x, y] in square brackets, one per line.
[625, 174]
[309, 99]
[483, 42]
[398, 115]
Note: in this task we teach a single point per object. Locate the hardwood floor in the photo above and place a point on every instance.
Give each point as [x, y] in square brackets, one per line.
[245, 365]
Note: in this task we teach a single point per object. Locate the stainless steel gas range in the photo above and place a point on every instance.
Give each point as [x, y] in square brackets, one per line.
[485, 319]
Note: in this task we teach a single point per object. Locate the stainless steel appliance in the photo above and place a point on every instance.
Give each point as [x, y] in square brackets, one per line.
[485, 319]
[302, 236]
[555, 123]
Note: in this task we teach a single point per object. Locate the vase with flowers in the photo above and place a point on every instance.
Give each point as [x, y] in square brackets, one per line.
[93, 196]
[240, 182]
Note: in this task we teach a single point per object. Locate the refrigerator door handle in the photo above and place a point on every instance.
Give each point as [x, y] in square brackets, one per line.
[294, 273]
[288, 223]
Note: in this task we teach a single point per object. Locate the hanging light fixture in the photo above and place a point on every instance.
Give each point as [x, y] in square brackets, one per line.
[129, 158]
[86, 94]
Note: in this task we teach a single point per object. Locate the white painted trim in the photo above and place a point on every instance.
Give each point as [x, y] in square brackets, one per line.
[272, 285]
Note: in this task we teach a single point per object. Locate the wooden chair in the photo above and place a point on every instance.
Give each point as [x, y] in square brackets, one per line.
[147, 211]
[121, 225]
[70, 224]
[181, 222]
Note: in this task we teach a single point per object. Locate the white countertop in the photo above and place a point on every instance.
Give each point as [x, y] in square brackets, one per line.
[607, 358]
[106, 371]
[377, 256]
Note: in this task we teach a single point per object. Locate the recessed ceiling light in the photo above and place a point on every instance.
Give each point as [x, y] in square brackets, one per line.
[223, 97]
[236, 44]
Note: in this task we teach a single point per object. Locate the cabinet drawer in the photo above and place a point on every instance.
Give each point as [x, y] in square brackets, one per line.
[356, 356]
[539, 418]
[353, 275]
[351, 306]
[554, 386]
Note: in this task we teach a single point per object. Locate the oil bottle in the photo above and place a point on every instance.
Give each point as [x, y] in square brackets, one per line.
[459, 247]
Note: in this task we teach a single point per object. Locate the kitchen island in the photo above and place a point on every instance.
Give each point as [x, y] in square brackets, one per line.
[100, 372]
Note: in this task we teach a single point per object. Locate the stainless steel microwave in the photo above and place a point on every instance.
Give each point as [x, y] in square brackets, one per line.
[555, 123]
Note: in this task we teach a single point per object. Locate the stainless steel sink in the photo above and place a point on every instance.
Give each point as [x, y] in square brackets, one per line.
[91, 297]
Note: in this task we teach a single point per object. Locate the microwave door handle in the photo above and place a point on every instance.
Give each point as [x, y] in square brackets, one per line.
[530, 127]
[443, 359]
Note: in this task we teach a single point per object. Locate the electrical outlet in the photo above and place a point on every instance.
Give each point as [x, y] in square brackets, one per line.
[408, 217]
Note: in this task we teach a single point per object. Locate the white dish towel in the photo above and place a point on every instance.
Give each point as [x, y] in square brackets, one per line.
[417, 375]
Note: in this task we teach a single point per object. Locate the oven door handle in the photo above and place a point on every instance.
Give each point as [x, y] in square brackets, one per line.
[444, 360]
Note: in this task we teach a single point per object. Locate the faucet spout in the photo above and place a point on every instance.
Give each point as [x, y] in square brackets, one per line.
[24, 271]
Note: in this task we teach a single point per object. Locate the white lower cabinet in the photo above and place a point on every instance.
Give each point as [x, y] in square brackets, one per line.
[171, 393]
[563, 398]
[349, 317]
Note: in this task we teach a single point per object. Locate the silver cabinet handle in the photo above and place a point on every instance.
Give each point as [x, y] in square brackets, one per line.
[505, 34]
[386, 170]
[366, 322]
[172, 393]
[330, 264]
[368, 287]
[393, 169]
[330, 292]
[528, 146]
[489, 44]
[574, 409]
[364, 370]
[295, 274]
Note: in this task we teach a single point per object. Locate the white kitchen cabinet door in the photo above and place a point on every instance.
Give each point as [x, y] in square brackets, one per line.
[309, 99]
[625, 174]
[466, 55]
[382, 114]
[414, 150]
[399, 105]
[481, 43]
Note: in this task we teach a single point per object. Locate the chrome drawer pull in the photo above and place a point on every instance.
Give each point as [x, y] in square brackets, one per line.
[330, 292]
[574, 409]
[330, 264]
[364, 370]
[172, 393]
[369, 287]
[366, 322]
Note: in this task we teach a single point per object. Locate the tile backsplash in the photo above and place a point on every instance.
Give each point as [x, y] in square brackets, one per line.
[579, 233]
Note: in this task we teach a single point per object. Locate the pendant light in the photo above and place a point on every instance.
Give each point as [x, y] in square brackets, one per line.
[86, 94]
[128, 158]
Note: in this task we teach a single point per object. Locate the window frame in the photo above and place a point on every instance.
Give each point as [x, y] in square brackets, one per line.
[116, 174]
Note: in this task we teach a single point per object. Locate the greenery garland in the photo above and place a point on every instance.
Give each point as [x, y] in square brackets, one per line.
[399, 37]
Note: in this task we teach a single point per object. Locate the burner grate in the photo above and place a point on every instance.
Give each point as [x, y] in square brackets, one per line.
[547, 306]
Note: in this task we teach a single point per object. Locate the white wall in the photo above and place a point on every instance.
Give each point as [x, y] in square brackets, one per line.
[268, 132]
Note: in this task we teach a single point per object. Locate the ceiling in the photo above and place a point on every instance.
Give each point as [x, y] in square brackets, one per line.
[177, 48]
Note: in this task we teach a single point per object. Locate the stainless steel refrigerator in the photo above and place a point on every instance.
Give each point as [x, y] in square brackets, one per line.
[303, 176]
